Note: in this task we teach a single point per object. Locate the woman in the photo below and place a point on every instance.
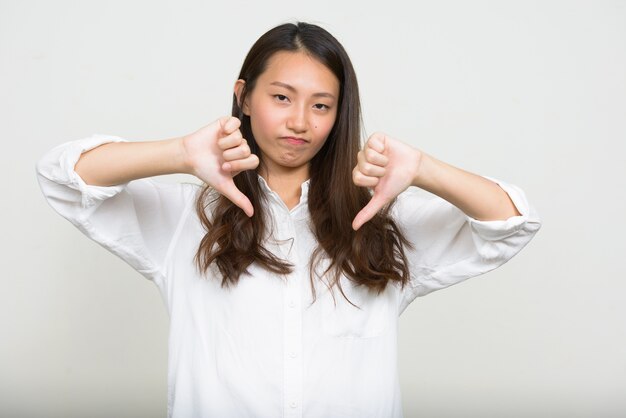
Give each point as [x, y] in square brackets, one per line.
[291, 213]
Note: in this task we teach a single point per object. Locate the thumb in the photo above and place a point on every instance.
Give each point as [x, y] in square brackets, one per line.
[232, 193]
[375, 204]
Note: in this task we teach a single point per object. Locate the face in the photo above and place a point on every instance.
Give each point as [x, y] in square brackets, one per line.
[292, 110]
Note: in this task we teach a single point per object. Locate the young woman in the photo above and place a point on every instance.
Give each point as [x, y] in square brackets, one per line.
[285, 274]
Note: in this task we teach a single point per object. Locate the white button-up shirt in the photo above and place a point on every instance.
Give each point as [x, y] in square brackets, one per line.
[262, 348]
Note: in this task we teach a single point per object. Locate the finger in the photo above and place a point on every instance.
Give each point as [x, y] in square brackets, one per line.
[369, 169]
[377, 142]
[237, 166]
[237, 153]
[229, 124]
[232, 193]
[375, 204]
[231, 141]
[361, 180]
[375, 157]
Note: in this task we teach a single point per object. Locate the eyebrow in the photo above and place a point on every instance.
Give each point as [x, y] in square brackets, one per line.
[291, 88]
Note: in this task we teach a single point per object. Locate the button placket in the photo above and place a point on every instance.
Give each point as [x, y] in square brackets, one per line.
[292, 330]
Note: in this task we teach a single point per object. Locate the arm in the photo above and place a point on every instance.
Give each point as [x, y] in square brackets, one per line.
[448, 246]
[121, 162]
[475, 195]
[466, 226]
[136, 220]
[389, 167]
[134, 217]
[214, 154]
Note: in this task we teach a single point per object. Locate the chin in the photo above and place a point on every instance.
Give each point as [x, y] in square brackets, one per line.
[291, 162]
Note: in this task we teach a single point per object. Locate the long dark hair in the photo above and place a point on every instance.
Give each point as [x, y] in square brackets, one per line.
[371, 256]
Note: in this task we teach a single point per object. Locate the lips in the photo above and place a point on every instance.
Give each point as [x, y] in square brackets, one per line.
[295, 140]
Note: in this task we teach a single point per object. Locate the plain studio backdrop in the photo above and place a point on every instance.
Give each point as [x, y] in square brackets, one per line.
[533, 93]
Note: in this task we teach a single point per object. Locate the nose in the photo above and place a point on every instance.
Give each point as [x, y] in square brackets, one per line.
[297, 120]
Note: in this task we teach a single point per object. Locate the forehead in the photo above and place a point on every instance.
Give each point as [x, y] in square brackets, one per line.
[301, 71]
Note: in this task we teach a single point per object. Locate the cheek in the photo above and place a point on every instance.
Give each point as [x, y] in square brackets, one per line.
[263, 123]
[323, 127]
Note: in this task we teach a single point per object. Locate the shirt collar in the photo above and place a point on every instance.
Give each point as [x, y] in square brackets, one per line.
[304, 195]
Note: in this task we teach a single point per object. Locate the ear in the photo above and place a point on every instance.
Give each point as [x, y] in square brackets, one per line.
[239, 84]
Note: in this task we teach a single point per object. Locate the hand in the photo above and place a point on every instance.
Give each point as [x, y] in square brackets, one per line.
[218, 152]
[389, 167]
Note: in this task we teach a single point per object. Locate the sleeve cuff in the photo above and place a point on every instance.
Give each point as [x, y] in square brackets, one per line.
[70, 156]
[496, 230]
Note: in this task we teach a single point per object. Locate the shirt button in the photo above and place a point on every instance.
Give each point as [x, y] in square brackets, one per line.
[293, 404]
[292, 304]
[292, 354]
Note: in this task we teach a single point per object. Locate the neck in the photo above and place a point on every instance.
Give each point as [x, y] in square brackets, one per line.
[286, 182]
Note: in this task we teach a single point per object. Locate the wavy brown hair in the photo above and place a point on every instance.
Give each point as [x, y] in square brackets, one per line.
[371, 256]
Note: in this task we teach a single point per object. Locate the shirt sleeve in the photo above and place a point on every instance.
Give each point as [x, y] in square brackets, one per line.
[136, 221]
[449, 246]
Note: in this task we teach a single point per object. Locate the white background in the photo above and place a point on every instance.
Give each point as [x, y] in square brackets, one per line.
[530, 92]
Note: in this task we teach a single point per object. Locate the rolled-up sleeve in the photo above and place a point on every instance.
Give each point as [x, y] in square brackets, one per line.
[449, 246]
[136, 221]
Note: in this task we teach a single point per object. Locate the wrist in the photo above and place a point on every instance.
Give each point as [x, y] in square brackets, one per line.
[181, 156]
[424, 164]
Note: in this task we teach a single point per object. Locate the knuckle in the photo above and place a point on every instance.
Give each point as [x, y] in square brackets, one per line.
[370, 154]
[367, 169]
[237, 135]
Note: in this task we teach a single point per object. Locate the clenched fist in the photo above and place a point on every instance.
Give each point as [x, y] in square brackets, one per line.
[218, 152]
[389, 167]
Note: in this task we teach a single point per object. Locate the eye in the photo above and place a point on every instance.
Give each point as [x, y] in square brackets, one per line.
[321, 106]
[281, 97]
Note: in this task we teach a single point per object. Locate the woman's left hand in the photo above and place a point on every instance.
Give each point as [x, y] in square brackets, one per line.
[389, 167]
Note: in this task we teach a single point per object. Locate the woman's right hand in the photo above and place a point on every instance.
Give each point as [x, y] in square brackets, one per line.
[218, 152]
